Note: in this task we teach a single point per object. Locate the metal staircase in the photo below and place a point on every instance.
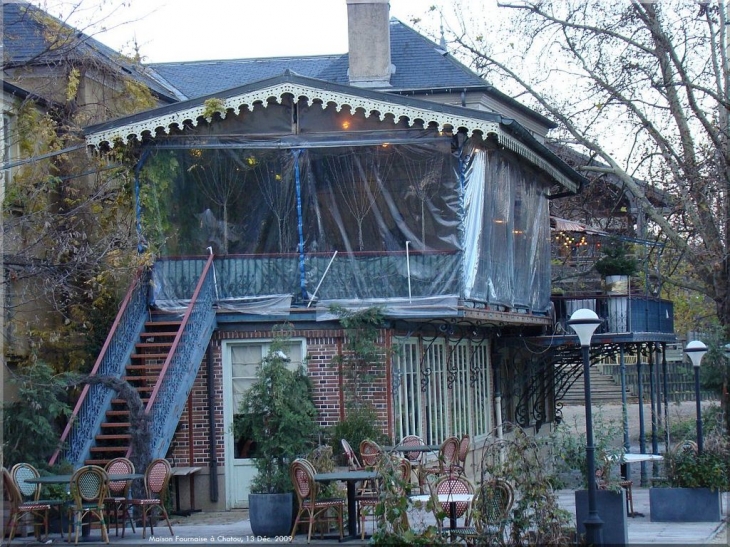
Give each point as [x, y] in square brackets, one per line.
[150, 354]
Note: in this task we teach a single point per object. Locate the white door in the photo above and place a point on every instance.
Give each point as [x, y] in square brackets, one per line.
[240, 363]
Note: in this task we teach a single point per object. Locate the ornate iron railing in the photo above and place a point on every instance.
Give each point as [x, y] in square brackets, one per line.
[178, 373]
[88, 413]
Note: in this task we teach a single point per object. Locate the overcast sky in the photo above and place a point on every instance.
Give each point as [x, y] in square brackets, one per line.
[188, 30]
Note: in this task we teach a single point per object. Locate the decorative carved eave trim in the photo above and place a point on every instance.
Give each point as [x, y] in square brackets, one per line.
[443, 120]
[260, 97]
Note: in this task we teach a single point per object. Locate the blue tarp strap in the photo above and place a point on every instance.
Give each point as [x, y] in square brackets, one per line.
[300, 224]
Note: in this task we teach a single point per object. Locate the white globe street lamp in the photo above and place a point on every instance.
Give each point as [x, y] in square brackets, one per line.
[696, 350]
[585, 322]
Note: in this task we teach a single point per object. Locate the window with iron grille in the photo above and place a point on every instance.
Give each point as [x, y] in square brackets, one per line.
[441, 388]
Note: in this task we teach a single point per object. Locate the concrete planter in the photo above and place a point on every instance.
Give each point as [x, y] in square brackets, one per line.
[612, 511]
[271, 515]
[684, 505]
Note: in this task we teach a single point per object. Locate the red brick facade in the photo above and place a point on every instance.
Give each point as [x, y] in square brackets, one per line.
[322, 347]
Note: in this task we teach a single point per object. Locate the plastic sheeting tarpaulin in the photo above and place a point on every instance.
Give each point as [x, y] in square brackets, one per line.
[479, 231]
[415, 308]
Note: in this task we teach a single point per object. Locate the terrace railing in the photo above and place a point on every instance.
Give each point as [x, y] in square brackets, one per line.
[620, 313]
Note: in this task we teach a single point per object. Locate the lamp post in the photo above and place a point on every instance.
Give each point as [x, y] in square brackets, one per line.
[585, 322]
[696, 350]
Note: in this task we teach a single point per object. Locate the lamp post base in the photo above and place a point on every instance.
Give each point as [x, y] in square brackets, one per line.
[594, 530]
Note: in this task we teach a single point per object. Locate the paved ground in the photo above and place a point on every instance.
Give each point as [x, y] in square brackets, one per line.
[232, 527]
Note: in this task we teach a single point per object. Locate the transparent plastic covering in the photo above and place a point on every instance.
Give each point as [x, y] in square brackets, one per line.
[413, 227]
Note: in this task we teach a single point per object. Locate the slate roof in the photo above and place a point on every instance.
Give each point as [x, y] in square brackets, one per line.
[25, 42]
[420, 64]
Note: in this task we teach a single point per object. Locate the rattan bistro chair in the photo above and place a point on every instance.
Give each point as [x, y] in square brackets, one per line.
[89, 488]
[31, 491]
[489, 513]
[19, 508]
[454, 484]
[156, 479]
[312, 509]
[352, 462]
[117, 503]
[370, 452]
[448, 459]
[400, 487]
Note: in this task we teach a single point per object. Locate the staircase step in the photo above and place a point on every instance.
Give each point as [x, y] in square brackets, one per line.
[115, 437]
[116, 425]
[153, 345]
[154, 367]
[149, 355]
[173, 325]
[114, 449]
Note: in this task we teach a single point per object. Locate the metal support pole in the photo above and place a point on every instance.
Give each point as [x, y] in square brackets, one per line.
[699, 410]
[666, 397]
[642, 433]
[593, 524]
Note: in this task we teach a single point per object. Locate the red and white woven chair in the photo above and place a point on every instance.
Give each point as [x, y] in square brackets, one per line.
[156, 479]
[117, 503]
[312, 509]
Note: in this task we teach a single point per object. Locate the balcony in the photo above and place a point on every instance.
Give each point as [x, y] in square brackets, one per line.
[621, 314]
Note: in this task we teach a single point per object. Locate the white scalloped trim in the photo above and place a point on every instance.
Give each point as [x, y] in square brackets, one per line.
[260, 97]
[123, 133]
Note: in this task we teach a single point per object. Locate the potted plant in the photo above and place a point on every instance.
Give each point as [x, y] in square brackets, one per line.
[278, 413]
[616, 261]
[569, 450]
[693, 483]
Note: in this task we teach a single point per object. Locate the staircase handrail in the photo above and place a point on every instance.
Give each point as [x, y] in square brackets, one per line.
[108, 362]
[196, 316]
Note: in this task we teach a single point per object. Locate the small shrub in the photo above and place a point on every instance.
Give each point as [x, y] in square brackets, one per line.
[361, 423]
[711, 469]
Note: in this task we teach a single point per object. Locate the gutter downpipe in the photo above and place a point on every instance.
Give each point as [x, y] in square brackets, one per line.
[213, 454]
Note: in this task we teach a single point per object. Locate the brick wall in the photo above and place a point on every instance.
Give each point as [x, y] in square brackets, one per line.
[328, 384]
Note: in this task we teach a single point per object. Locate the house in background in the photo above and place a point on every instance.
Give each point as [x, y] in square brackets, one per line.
[391, 176]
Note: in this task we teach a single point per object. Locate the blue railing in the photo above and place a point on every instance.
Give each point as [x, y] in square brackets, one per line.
[89, 412]
[620, 313]
[180, 369]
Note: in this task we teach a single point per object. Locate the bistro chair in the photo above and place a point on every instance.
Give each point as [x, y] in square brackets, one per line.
[31, 491]
[89, 488]
[416, 457]
[311, 509]
[460, 464]
[117, 503]
[370, 452]
[489, 513]
[156, 481]
[448, 457]
[454, 484]
[19, 509]
[352, 462]
[400, 487]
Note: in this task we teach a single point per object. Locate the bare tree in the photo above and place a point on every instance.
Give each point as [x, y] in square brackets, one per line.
[640, 86]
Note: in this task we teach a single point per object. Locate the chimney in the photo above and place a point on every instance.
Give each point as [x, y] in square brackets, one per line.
[368, 31]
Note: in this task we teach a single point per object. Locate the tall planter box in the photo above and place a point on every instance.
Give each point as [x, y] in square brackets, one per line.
[684, 505]
[612, 511]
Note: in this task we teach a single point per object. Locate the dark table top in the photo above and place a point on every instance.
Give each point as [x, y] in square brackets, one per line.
[60, 479]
